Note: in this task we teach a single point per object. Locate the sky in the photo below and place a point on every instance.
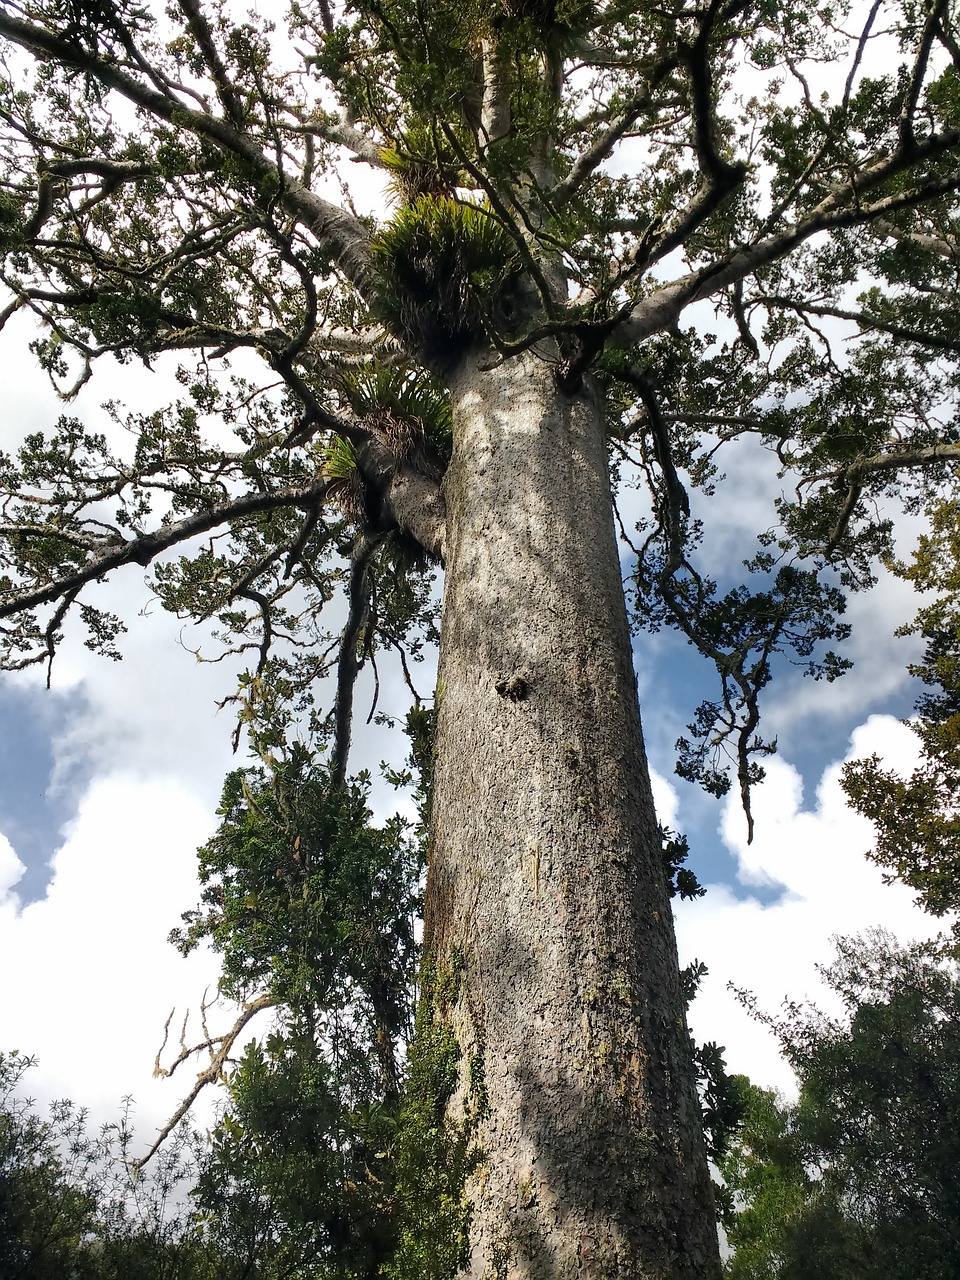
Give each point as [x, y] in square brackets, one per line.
[109, 782]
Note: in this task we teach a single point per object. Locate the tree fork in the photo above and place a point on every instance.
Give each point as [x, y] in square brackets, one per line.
[547, 887]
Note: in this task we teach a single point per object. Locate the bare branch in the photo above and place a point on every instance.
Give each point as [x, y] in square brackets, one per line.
[343, 133]
[897, 460]
[211, 1075]
[857, 472]
[908, 113]
[720, 177]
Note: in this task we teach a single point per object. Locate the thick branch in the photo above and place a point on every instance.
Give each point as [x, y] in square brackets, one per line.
[495, 108]
[604, 145]
[200, 30]
[856, 473]
[342, 236]
[932, 244]
[142, 550]
[843, 208]
[348, 663]
[900, 460]
[343, 133]
[908, 114]
[415, 502]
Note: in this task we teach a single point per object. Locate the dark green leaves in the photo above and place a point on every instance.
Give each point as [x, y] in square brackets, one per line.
[447, 269]
[303, 896]
[857, 1179]
[916, 817]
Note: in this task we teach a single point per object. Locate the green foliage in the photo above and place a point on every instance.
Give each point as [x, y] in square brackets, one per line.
[71, 1206]
[339, 460]
[44, 1212]
[347, 489]
[434, 1152]
[311, 905]
[916, 818]
[574, 179]
[422, 730]
[447, 272]
[415, 406]
[721, 1102]
[630, 176]
[682, 881]
[304, 898]
[420, 163]
[298, 1159]
[857, 1179]
[743, 632]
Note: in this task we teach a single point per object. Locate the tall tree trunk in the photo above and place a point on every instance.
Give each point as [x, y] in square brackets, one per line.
[547, 890]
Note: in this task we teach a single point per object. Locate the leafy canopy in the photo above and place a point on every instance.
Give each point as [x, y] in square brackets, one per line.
[916, 818]
[736, 218]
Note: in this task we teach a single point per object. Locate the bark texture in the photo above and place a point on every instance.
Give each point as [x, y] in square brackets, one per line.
[546, 882]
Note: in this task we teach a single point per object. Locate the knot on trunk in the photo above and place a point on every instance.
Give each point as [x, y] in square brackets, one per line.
[515, 687]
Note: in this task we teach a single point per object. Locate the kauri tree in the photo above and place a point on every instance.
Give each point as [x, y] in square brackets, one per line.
[615, 241]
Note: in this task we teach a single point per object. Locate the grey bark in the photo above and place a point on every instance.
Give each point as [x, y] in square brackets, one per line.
[495, 112]
[546, 877]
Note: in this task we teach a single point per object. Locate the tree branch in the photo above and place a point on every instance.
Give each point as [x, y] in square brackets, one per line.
[200, 30]
[864, 320]
[495, 106]
[932, 244]
[211, 1075]
[908, 113]
[342, 235]
[843, 208]
[143, 549]
[605, 144]
[348, 664]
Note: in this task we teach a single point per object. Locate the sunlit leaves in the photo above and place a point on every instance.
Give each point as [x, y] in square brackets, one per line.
[447, 272]
[308, 900]
[304, 894]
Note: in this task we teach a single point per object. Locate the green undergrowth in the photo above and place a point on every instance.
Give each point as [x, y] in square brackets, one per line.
[436, 1154]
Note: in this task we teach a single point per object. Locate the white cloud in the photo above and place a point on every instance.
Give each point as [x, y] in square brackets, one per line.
[829, 888]
[11, 869]
[89, 975]
[665, 800]
[880, 658]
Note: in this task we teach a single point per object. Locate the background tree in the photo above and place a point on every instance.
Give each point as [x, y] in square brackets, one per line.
[858, 1176]
[312, 909]
[70, 1204]
[918, 827]
[575, 185]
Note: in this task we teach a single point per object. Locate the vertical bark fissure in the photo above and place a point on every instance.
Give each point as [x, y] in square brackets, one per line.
[546, 881]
